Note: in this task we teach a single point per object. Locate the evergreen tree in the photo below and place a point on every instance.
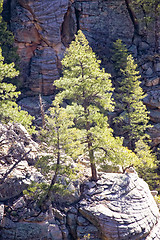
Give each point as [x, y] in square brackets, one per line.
[133, 115]
[9, 52]
[7, 44]
[90, 90]
[119, 57]
[132, 120]
[9, 110]
[59, 141]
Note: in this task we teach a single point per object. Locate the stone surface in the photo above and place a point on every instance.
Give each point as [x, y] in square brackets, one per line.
[28, 222]
[152, 81]
[37, 27]
[17, 141]
[18, 151]
[116, 207]
[43, 29]
[122, 207]
[155, 134]
[152, 100]
[1, 214]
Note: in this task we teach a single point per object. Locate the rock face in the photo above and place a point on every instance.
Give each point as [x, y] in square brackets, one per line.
[43, 29]
[37, 27]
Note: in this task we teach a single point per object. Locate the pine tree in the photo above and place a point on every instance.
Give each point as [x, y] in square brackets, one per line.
[119, 57]
[90, 90]
[132, 120]
[9, 52]
[9, 110]
[133, 115]
[59, 142]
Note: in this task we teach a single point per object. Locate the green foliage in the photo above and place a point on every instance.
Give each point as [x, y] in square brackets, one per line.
[132, 121]
[144, 153]
[36, 191]
[133, 117]
[147, 13]
[147, 169]
[1, 8]
[9, 110]
[7, 46]
[58, 141]
[150, 176]
[6, 43]
[90, 90]
[59, 133]
[157, 200]
[150, 8]
[119, 56]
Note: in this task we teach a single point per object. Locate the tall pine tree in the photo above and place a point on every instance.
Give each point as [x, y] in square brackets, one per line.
[133, 115]
[90, 90]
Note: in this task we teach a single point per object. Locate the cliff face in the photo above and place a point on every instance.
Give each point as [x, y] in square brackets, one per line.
[44, 28]
[37, 27]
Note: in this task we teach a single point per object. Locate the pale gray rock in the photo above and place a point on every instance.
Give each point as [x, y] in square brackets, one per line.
[1, 214]
[18, 143]
[133, 50]
[29, 226]
[43, 29]
[18, 180]
[143, 46]
[18, 151]
[43, 70]
[125, 209]
[155, 134]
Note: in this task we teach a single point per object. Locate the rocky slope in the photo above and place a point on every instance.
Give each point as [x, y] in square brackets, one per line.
[116, 207]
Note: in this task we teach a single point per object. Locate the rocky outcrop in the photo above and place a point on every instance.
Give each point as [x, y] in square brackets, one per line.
[117, 206]
[121, 206]
[43, 29]
[17, 151]
[16, 144]
[23, 222]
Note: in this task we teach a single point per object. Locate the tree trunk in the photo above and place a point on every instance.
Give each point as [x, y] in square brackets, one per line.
[54, 178]
[89, 141]
[94, 172]
[42, 111]
[132, 16]
[92, 163]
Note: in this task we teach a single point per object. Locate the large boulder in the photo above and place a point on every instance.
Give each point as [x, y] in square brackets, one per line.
[121, 207]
